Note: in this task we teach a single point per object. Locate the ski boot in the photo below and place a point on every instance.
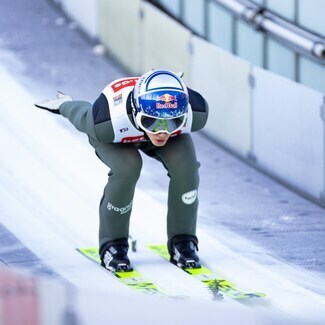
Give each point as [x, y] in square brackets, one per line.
[183, 251]
[114, 256]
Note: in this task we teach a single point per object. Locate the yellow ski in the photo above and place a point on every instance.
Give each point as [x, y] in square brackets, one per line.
[214, 283]
[132, 279]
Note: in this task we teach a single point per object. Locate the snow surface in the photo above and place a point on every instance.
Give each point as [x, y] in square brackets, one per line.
[49, 200]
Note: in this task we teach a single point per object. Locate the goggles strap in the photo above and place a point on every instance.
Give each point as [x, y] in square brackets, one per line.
[134, 112]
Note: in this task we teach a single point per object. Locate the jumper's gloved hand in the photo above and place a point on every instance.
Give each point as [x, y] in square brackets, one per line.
[52, 105]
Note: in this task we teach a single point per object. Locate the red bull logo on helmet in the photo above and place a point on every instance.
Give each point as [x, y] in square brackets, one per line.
[166, 101]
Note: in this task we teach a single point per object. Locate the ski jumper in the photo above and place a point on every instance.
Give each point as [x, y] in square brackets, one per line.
[112, 132]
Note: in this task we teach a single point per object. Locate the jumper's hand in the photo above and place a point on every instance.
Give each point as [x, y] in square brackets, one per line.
[53, 105]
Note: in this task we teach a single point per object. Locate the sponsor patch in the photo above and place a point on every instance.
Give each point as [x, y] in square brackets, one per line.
[118, 100]
[122, 210]
[166, 101]
[135, 139]
[189, 197]
[127, 82]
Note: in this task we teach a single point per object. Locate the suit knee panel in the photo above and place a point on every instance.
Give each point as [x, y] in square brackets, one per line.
[128, 171]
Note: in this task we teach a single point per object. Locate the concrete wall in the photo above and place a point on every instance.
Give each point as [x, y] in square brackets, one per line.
[288, 132]
[223, 79]
[274, 123]
[119, 31]
[164, 42]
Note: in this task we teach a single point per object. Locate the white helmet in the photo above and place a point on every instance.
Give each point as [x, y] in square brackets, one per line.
[160, 100]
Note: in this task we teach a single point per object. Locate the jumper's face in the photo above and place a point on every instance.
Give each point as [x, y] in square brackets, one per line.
[158, 139]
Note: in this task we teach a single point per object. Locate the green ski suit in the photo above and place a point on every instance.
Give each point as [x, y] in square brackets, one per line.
[112, 132]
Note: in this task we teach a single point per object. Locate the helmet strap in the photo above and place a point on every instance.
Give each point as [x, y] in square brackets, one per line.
[134, 111]
[132, 100]
[134, 118]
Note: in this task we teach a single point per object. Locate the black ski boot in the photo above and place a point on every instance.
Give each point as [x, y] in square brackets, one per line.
[183, 249]
[114, 256]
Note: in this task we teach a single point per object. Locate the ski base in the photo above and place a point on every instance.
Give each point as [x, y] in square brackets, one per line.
[216, 285]
[132, 279]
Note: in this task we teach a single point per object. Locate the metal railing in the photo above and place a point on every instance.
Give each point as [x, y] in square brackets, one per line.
[299, 39]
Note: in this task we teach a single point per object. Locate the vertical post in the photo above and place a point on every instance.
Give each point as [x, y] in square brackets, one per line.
[181, 10]
[251, 81]
[322, 194]
[234, 33]
[206, 20]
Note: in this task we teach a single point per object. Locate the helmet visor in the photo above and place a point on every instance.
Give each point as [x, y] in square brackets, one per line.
[156, 125]
[163, 104]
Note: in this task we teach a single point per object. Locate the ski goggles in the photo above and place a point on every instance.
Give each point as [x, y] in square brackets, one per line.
[157, 125]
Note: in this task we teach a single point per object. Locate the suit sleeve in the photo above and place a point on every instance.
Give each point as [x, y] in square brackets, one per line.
[94, 120]
[200, 110]
[79, 113]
